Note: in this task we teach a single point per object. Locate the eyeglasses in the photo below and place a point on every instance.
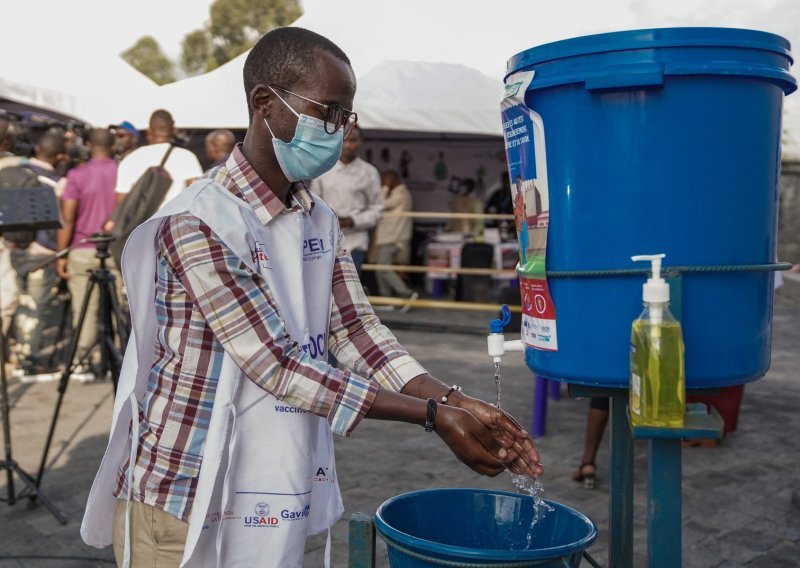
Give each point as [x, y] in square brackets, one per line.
[336, 116]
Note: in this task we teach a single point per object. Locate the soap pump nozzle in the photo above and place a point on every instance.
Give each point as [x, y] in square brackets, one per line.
[498, 346]
[655, 292]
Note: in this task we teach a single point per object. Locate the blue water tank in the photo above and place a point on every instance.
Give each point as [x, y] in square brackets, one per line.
[661, 141]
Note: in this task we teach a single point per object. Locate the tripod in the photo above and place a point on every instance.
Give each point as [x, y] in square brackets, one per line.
[23, 209]
[111, 322]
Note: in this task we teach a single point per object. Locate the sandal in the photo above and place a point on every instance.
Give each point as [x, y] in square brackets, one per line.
[587, 478]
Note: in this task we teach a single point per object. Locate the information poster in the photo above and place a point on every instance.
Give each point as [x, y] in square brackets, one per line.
[524, 136]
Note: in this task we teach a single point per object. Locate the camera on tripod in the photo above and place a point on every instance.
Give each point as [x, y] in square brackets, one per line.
[101, 242]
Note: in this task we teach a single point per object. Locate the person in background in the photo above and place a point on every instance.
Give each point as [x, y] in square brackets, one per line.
[219, 144]
[596, 422]
[8, 138]
[37, 284]
[353, 190]
[500, 202]
[393, 237]
[182, 164]
[466, 202]
[9, 295]
[127, 138]
[87, 202]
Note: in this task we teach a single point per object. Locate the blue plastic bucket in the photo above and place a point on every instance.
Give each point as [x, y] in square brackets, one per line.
[477, 527]
[661, 141]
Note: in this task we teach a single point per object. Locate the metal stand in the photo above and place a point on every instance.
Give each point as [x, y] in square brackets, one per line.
[23, 209]
[664, 481]
[100, 279]
[663, 470]
[9, 464]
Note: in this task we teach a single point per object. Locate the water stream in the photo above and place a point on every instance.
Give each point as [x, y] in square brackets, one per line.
[526, 484]
[497, 382]
[535, 489]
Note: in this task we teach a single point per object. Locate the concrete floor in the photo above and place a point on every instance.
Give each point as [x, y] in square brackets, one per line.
[740, 500]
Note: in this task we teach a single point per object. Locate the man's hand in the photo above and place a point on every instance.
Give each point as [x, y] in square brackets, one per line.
[469, 440]
[521, 455]
[346, 222]
[61, 268]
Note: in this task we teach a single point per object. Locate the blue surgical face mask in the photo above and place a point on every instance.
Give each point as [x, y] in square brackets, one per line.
[312, 151]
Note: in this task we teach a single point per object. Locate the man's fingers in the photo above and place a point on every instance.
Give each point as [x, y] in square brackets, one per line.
[486, 440]
[504, 438]
[510, 424]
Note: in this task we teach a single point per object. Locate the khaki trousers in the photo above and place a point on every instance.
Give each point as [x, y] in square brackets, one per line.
[157, 538]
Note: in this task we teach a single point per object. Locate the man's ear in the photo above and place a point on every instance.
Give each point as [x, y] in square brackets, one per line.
[260, 98]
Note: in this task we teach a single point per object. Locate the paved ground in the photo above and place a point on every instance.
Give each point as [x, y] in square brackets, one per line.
[741, 500]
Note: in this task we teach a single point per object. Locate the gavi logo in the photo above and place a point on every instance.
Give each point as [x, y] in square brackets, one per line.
[291, 515]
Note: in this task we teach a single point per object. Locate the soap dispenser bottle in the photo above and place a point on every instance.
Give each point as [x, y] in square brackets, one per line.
[657, 390]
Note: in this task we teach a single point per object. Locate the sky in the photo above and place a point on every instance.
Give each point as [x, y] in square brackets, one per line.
[480, 34]
[500, 27]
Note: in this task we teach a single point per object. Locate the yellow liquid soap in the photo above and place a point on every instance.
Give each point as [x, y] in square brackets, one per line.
[657, 395]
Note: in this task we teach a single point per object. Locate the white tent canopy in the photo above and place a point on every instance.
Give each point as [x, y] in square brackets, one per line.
[213, 100]
[72, 72]
[102, 89]
[428, 97]
[395, 95]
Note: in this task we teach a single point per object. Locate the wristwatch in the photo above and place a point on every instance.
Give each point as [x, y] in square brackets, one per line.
[430, 420]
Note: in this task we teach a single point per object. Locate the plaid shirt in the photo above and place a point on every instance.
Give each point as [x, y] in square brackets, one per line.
[208, 302]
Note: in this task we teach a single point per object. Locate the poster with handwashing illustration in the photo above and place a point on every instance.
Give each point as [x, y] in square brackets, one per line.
[526, 154]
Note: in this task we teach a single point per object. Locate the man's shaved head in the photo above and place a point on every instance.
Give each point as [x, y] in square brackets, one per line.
[283, 56]
[50, 146]
[101, 138]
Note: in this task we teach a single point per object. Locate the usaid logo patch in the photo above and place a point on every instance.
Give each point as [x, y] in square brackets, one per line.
[261, 518]
[259, 255]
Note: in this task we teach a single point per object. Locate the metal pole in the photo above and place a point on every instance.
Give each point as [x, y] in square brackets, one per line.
[620, 507]
[6, 406]
[664, 503]
[362, 541]
[62, 386]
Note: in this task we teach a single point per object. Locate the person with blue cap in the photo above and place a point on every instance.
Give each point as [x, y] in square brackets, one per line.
[127, 139]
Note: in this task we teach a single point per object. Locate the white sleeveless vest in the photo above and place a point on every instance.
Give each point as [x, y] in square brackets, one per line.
[268, 477]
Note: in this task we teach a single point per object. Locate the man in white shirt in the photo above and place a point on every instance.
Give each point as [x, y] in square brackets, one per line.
[182, 165]
[353, 190]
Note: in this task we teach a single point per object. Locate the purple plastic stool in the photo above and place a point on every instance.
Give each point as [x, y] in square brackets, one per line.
[540, 393]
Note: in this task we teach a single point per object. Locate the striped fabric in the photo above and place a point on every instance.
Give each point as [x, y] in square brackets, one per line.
[208, 303]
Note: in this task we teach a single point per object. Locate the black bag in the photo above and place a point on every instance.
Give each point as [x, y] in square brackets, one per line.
[144, 199]
[21, 176]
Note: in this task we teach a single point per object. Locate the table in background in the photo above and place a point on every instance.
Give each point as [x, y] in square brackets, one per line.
[448, 255]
